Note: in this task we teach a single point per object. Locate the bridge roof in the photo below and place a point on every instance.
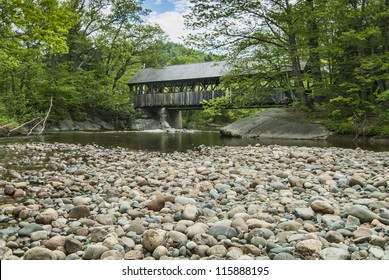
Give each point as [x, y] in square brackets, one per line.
[195, 71]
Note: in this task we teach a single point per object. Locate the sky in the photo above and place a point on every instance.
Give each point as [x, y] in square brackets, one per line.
[168, 14]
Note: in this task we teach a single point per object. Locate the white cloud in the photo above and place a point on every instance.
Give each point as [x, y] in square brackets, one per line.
[172, 23]
[180, 6]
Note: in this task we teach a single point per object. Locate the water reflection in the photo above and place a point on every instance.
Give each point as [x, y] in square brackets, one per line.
[182, 141]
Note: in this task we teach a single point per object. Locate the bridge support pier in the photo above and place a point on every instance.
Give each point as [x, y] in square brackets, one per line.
[174, 118]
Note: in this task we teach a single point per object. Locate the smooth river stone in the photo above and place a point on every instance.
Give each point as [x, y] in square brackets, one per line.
[28, 229]
[190, 212]
[151, 240]
[79, 211]
[217, 230]
[305, 213]
[184, 200]
[322, 207]
[39, 253]
[94, 251]
[334, 254]
[196, 229]
[309, 247]
[362, 213]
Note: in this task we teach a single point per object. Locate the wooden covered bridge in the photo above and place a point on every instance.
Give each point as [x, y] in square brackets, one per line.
[178, 87]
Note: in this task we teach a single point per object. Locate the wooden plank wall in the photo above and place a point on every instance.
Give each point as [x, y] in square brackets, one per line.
[182, 99]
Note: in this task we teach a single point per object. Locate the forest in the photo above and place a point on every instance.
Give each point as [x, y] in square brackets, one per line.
[73, 57]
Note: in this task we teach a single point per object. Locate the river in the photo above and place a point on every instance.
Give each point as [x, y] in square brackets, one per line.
[183, 140]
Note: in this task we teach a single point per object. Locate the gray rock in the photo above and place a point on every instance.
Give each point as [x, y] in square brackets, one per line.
[66, 125]
[202, 250]
[191, 245]
[217, 230]
[72, 245]
[124, 207]
[151, 239]
[276, 123]
[234, 253]
[362, 213]
[196, 229]
[305, 213]
[55, 242]
[128, 243]
[9, 230]
[334, 237]
[39, 253]
[239, 225]
[190, 212]
[94, 252]
[261, 232]
[184, 200]
[5, 253]
[177, 237]
[290, 225]
[217, 251]
[204, 239]
[106, 219]
[284, 257]
[97, 234]
[134, 255]
[352, 222]
[377, 253]
[111, 255]
[334, 254]
[79, 211]
[112, 193]
[159, 252]
[39, 235]
[28, 229]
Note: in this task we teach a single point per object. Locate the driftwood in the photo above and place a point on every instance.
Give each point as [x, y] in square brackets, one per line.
[6, 125]
[47, 115]
[20, 126]
[42, 120]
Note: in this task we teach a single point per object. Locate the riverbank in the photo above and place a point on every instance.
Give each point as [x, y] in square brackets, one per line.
[281, 123]
[255, 202]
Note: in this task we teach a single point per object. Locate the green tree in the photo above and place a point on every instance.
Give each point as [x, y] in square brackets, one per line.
[30, 30]
[261, 35]
[78, 52]
[327, 54]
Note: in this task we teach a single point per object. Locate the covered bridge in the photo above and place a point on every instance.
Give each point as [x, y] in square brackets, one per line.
[178, 86]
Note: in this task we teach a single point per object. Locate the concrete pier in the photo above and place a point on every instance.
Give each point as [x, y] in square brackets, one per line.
[174, 118]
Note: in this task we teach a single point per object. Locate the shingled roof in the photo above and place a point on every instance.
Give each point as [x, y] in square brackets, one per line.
[195, 71]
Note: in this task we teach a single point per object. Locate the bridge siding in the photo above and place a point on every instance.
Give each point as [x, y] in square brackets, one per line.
[181, 99]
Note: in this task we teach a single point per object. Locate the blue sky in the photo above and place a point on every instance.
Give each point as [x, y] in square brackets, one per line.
[168, 14]
[159, 6]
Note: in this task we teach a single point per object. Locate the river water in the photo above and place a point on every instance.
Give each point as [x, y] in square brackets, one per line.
[183, 140]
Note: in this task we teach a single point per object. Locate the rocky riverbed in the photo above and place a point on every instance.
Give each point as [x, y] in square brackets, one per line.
[61, 201]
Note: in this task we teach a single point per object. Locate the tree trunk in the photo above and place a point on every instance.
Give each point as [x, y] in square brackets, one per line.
[296, 71]
[313, 43]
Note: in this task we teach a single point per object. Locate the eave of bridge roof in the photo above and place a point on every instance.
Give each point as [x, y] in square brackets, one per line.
[184, 72]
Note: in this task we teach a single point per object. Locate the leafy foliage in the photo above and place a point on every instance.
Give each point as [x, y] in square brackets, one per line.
[81, 53]
[324, 54]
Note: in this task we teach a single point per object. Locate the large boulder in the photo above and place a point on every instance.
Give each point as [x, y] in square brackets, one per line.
[276, 123]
